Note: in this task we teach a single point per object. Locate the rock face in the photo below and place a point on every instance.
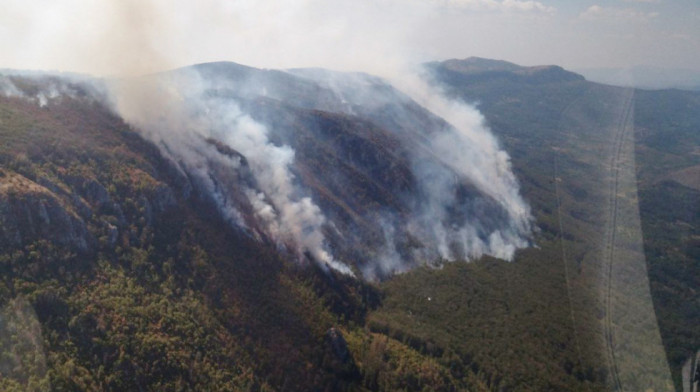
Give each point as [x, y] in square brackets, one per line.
[339, 345]
[342, 362]
[72, 214]
[30, 212]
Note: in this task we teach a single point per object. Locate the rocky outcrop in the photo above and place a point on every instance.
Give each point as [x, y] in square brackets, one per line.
[62, 213]
[339, 345]
[31, 212]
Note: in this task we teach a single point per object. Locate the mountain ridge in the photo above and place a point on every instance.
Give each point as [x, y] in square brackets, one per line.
[499, 68]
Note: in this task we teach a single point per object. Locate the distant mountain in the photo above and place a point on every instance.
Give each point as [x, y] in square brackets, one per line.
[486, 68]
[645, 77]
[475, 65]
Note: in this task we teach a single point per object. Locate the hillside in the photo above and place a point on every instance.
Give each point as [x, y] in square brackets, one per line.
[151, 253]
[557, 136]
[125, 275]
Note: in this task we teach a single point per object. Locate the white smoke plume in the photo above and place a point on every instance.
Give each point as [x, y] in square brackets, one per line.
[288, 218]
[473, 153]
[44, 88]
[8, 89]
[174, 111]
[133, 37]
[445, 157]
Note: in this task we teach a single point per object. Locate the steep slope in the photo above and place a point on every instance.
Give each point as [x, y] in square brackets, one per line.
[119, 271]
[379, 183]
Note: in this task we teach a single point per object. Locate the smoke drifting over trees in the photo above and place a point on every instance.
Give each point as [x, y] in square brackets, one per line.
[462, 201]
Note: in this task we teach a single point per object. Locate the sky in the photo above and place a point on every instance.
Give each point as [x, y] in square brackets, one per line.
[130, 37]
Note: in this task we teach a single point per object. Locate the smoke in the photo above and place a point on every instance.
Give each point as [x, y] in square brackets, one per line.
[136, 37]
[466, 200]
[467, 152]
[294, 220]
[8, 89]
[472, 152]
[43, 89]
[257, 191]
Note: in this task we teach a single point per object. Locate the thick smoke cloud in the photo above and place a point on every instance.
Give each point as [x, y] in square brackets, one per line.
[116, 37]
[471, 151]
[258, 191]
[135, 37]
[446, 155]
[177, 112]
[289, 218]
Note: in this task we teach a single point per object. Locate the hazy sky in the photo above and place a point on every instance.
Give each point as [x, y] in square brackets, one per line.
[137, 36]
